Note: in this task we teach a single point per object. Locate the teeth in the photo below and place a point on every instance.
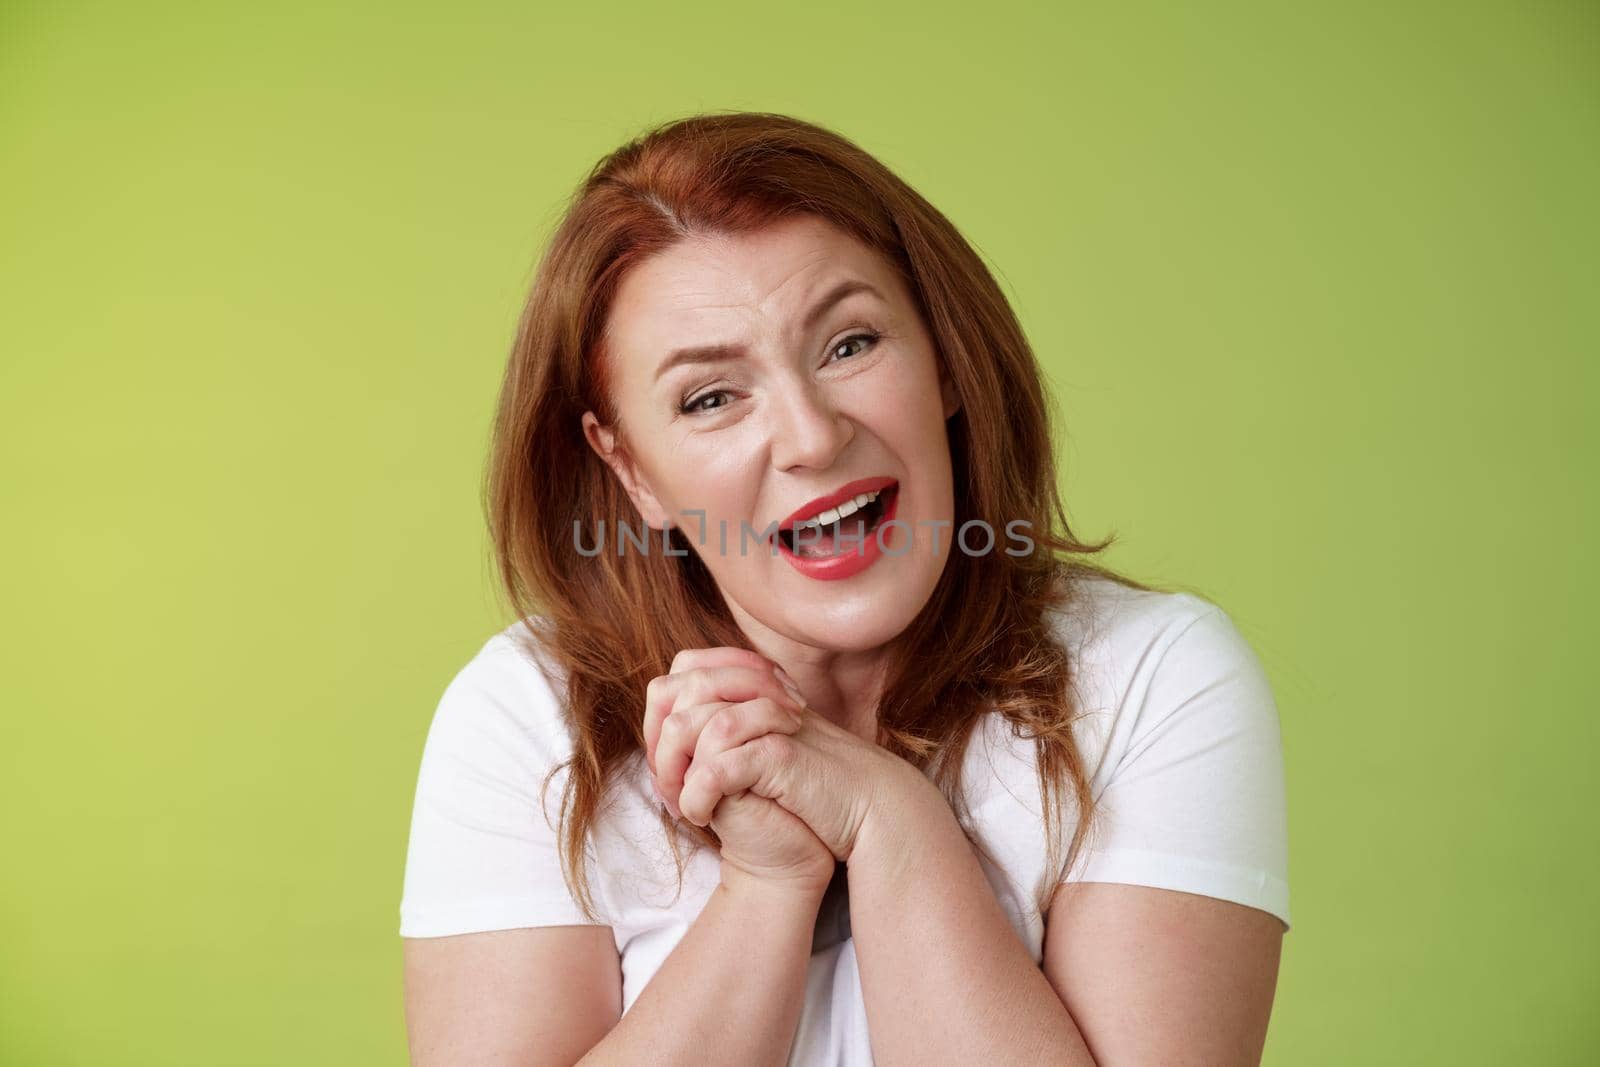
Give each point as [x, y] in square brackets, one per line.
[843, 511]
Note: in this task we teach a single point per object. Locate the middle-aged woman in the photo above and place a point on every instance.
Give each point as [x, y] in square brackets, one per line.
[860, 758]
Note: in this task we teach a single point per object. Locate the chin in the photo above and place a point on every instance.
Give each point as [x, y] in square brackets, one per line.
[853, 635]
[858, 613]
[856, 620]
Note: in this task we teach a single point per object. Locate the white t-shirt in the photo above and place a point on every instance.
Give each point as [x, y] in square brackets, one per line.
[1181, 731]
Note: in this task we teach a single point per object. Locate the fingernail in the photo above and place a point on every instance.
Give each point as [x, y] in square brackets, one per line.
[791, 688]
[655, 791]
[783, 676]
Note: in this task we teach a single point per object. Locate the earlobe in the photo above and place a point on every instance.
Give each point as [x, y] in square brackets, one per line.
[603, 440]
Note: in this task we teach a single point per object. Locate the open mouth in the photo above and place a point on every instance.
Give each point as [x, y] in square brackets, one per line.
[841, 530]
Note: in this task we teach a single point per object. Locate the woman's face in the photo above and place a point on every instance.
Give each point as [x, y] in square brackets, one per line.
[764, 378]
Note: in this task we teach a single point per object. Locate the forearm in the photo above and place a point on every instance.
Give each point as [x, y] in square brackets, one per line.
[732, 989]
[944, 976]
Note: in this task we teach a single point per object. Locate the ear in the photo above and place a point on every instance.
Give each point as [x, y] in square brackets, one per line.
[947, 390]
[603, 439]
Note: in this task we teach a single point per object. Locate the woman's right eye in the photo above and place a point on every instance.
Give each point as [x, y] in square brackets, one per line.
[696, 406]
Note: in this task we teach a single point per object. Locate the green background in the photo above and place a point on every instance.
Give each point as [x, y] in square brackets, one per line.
[1315, 286]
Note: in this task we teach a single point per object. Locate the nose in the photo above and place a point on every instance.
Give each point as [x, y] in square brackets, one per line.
[808, 430]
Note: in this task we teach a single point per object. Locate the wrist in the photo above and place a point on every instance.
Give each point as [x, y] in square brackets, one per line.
[799, 894]
[896, 828]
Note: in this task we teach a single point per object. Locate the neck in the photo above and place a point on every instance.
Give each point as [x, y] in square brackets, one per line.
[844, 686]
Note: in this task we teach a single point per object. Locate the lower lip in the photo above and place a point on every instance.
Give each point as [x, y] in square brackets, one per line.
[853, 560]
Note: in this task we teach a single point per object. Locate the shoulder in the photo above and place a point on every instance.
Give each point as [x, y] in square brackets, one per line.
[1103, 617]
[1131, 649]
[1140, 652]
[515, 658]
[1178, 731]
[502, 709]
[1171, 699]
[484, 851]
[1121, 641]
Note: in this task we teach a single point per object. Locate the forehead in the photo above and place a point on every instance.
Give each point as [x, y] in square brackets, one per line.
[703, 281]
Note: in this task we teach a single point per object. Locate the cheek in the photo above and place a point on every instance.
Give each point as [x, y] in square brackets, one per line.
[715, 473]
[911, 415]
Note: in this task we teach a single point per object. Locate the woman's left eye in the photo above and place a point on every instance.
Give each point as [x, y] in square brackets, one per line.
[867, 339]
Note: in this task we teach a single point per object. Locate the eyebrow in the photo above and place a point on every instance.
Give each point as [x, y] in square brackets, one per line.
[720, 352]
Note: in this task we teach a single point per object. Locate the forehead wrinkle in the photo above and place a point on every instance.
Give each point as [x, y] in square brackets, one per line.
[751, 305]
[698, 293]
[814, 258]
[739, 260]
[725, 277]
[679, 303]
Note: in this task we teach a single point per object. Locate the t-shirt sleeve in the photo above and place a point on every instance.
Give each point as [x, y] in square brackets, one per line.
[483, 852]
[1193, 796]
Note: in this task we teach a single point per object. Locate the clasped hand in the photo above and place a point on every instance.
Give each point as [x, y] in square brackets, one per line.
[726, 721]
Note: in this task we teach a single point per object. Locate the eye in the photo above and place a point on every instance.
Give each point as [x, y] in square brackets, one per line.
[867, 340]
[698, 405]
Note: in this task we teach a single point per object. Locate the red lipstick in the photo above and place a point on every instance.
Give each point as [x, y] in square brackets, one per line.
[857, 556]
[814, 507]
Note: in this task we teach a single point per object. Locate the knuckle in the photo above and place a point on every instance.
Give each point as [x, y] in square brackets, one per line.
[723, 725]
[774, 748]
[711, 777]
[763, 706]
[693, 690]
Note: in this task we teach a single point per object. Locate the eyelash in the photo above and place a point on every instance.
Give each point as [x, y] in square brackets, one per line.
[686, 404]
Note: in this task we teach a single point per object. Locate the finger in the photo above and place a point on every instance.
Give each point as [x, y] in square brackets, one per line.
[732, 807]
[675, 747]
[707, 685]
[709, 730]
[758, 765]
[723, 656]
[704, 685]
[662, 690]
[697, 704]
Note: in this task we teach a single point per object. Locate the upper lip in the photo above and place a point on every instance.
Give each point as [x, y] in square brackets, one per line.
[812, 508]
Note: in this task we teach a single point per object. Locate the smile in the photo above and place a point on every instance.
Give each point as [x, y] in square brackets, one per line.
[837, 536]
